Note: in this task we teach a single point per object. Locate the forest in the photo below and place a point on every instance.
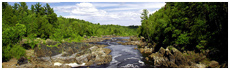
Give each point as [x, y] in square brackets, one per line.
[189, 26]
[42, 22]
[197, 27]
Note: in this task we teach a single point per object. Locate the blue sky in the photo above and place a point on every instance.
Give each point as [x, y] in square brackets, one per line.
[117, 13]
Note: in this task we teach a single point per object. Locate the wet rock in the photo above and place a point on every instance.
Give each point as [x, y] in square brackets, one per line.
[106, 50]
[213, 64]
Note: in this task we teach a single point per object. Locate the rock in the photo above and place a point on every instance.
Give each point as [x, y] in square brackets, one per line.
[23, 41]
[170, 57]
[200, 65]
[22, 60]
[101, 46]
[82, 59]
[97, 56]
[10, 64]
[213, 64]
[75, 64]
[51, 42]
[100, 56]
[57, 64]
[93, 48]
[158, 60]
[142, 38]
[147, 58]
[162, 51]
[106, 50]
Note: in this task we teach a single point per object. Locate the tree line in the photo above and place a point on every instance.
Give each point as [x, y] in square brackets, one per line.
[195, 26]
[42, 22]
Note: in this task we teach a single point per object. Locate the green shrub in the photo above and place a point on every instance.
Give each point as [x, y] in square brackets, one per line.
[10, 51]
[12, 35]
[17, 51]
[6, 53]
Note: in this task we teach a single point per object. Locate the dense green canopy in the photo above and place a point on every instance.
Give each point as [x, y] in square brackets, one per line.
[189, 25]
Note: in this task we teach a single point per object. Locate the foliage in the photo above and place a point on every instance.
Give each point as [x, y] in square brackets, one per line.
[190, 25]
[17, 51]
[10, 51]
[42, 22]
[12, 35]
[6, 53]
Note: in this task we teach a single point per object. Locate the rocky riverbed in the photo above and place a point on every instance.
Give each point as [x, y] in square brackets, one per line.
[89, 53]
[109, 52]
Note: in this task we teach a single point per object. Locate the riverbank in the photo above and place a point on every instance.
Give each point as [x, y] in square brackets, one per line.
[53, 54]
[112, 52]
[171, 57]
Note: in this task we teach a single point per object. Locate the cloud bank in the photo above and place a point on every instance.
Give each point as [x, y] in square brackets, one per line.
[124, 14]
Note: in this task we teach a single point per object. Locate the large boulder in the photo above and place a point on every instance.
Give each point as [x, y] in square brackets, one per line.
[82, 58]
[93, 48]
[170, 57]
[213, 64]
[98, 55]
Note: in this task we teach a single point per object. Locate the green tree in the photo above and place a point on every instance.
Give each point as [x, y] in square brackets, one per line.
[38, 8]
[32, 8]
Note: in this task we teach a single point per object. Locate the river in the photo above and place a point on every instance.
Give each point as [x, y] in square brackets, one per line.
[123, 56]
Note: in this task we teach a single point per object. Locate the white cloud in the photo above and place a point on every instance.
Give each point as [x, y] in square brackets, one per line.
[51, 2]
[109, 13]
[85, 5]
[136, 6]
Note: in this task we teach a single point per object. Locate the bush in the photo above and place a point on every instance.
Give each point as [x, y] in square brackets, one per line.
[6, 53]
[13, 34]
[17, 51]
[10, 51]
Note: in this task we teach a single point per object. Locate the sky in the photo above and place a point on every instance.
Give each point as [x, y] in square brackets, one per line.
[117, 13]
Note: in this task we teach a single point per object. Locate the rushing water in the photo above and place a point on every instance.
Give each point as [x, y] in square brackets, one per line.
[123, 56]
